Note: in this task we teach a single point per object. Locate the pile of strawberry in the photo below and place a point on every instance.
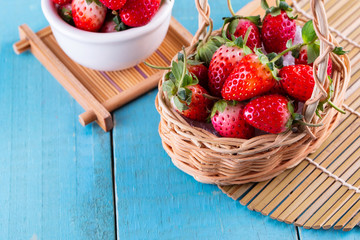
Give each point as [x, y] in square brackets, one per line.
[107, 15]
[231, 82]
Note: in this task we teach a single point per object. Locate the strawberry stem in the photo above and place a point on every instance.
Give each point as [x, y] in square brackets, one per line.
[286, 51]
[310, 124]
[247, 35]
[230, 8]
[211, 97]
[157, 67]
[335, 107]
[184, 68]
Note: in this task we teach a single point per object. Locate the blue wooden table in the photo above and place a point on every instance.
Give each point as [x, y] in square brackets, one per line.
[59, 180]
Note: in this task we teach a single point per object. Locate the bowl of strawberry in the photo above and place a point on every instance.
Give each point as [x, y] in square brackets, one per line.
[253, 99]
[108, 35]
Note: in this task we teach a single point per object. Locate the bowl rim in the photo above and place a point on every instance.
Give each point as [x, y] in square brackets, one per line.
[56, 22]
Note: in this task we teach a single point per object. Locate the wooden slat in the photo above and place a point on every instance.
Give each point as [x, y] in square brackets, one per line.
[98, 89]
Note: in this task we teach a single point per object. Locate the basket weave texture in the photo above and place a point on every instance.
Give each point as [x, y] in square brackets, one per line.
[226, 161]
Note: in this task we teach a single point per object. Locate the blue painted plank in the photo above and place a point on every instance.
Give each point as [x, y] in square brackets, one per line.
[312, 234]
[155, 200]
[56, 176]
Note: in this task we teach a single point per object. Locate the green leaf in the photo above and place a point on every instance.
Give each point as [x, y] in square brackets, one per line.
[284, 6]
[218, 106]
[180, 105]
[239, 42]
[182, 94]
[254, 19]
[170, 88]
[313, 52]
[194, 62]
[295, 53]
[264, 4]
[207, 50]
[247, 50]
[291, 15]
[189, 96]
[189, 80]
[232, 26]
[120, 26]
[308, 33]
[271, 66]
[275, 11]
[289, 43]
[177, 68]
[289, 123]
[66, 15]
[339, 51]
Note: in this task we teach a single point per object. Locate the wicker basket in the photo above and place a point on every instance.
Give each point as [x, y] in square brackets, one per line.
[225, 161]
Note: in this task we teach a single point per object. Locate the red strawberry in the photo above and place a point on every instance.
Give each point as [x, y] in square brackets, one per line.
[276, 31]
[136, 13]
[249, 78]
[222, 63]
[303, 59]
[269, 113]
[184, 93]
[254, 36]
[113, 4]
[89, 17]
[64, 12]
[297, 81]
[200, 106]
[62, 2]
[277, 89]
[201, 72]
[108, 27]
[228, 120]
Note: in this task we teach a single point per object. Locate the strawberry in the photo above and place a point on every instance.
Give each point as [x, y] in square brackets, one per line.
[303, 59]
[277, 89]
[108, 27]
[239, 26]
[200, 106]
[113, 4]
[278, 27]
[222, 63]
[297, 81]
[136, 13]
[65, 13]
[113, 23]
[249, 78]
[62, 2]
[88, 15]
[201, 72]
[184, 92]
[227, 119]
[270, 113]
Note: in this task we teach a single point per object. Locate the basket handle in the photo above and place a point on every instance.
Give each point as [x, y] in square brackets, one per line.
[321, 63]
[204, 19]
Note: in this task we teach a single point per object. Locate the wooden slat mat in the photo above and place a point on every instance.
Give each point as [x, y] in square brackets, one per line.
[304, 195]
[100, 92]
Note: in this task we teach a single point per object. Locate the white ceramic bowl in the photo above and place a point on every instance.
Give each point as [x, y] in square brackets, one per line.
[109, 51]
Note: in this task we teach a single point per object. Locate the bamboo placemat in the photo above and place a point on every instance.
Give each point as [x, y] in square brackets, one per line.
[100, 93]
[305, 195]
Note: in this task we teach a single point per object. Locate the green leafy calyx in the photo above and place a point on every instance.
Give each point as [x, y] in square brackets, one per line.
[276, 10]
[178, 79]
